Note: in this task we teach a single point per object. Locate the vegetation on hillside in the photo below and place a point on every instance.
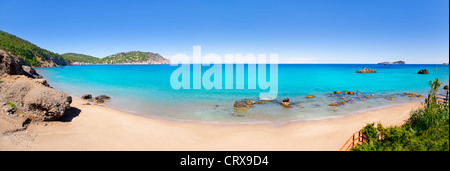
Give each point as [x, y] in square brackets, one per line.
[74, 57]
[119, 58]
[426, 130]
[130, 57]
[33, 55]
[27, 52]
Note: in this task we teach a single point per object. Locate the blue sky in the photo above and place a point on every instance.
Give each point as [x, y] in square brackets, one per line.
[316, 31]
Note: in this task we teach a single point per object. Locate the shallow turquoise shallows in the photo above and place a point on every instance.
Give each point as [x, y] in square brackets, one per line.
[146, 90]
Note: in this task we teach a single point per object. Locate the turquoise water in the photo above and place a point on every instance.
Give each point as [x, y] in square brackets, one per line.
[146, 90]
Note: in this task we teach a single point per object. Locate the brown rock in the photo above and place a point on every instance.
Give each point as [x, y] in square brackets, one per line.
[424, 71]
[240, 105]
[31, 96]
[286, 104]
[86, 97]
[102, 99]
[11, 65]
[365, 70]
[250, 102]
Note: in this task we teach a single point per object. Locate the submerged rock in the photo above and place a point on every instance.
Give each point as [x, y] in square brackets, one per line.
[265, 99]
[102, 99]
[250, 102]
[310, 96]
[240, 105]
[337, 92]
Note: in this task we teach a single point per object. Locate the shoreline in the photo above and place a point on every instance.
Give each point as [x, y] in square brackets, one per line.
[270, 123]
[92, 128]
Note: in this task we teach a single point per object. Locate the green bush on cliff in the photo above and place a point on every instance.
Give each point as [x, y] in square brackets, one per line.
[426, 130]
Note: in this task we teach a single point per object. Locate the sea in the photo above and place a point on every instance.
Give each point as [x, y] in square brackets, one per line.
[147, 90]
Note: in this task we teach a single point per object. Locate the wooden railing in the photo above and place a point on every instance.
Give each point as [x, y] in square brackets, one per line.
[443, 97]
[355, 139]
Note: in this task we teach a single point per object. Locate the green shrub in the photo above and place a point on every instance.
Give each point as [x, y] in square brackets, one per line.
[12, 105]
[426, 130]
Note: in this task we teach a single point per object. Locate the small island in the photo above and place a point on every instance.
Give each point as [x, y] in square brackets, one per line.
[392, 63]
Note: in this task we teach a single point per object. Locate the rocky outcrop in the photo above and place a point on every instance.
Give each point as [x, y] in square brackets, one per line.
[424, 71]
[30, 72]
[11, 65]
[365, 70]
[34, 96]
[22, 87]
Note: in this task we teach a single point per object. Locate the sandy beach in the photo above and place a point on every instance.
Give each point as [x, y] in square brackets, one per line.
[100, 128]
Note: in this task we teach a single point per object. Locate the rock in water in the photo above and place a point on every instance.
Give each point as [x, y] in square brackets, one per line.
[31, 96]
[424, 71]
[265, 99]
[102, 98]
[86, 97]
[286, 103]
[250, 102]
[240, 105]
[365, 70]
[446, 87]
